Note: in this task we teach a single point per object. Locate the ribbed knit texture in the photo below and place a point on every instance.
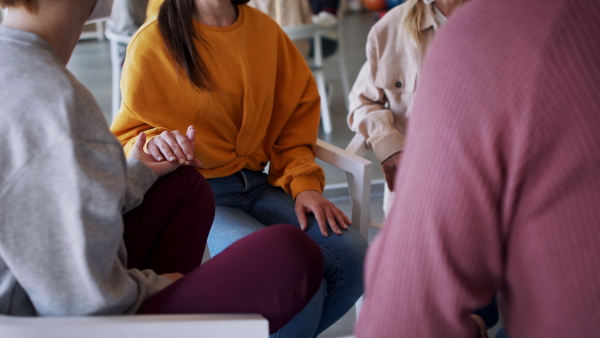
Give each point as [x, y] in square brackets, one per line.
[499, 188]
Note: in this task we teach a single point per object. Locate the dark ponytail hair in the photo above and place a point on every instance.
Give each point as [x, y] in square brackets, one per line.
[175, 22]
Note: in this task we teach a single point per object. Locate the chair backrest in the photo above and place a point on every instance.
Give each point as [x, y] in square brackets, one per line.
[146, 326]
[95, 32]
[115, 60]
[358, 146]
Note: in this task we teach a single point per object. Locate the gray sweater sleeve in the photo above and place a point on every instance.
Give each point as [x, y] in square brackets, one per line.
[62, 232]
[139, 179]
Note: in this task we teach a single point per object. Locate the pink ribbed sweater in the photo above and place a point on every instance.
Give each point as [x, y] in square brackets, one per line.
[499, 188]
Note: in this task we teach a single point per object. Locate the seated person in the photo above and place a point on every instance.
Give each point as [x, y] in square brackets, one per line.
[226, 68]
[65, 184]
[498, 188]
[381, 98]
[382, 95]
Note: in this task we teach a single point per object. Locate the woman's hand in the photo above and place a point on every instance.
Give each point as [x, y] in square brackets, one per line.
[325, 212]
[159, 168]
[389, 166]
[155, 161]
[175, 147]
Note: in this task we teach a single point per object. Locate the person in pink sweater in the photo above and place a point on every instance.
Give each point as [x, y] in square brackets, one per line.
[499, 189]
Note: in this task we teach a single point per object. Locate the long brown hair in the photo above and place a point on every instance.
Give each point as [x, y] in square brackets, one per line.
[175, 22]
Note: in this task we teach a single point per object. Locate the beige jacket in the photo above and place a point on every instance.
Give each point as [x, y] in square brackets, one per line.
[381, 97]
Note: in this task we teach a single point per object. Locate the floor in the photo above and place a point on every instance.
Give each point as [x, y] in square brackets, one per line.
[91, 65]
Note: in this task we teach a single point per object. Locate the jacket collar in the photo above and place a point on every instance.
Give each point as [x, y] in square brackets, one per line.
[429, 19]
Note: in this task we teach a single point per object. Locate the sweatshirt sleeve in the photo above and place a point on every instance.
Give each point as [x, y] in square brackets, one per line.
[62, 232]
[127, 126]
[292, 157]
[139, 179]
[370, 114]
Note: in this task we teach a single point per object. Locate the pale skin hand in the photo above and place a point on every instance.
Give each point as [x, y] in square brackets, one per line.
[175, 147]
[389, 166]
[159, 168]
[325, 212]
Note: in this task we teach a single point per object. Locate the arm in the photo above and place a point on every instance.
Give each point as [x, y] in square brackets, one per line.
[139, 179]
[370, 113]
[144, 168]
[292, 157]
[62, 229]
[127, 126]
[440, 248]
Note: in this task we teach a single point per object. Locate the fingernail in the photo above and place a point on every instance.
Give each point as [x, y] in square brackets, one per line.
[181, 161]
[189, 157]
[160, 159]
[172, 158]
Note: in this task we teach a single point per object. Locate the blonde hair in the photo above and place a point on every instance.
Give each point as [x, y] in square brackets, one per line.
[411, 22]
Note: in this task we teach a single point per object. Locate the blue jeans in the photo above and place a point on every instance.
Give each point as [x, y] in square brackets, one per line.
[247, 203]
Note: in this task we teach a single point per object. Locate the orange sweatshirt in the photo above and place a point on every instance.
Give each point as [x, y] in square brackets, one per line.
[266, 107]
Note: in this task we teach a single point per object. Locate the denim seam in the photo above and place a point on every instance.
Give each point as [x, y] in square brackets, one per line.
[339, 273]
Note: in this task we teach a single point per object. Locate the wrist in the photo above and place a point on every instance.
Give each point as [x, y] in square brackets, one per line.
[391, 156]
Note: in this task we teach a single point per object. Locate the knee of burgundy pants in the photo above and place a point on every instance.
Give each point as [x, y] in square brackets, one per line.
[273, 272]
[167, 232]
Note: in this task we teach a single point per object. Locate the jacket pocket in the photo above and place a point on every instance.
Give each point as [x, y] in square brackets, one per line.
[396, 80]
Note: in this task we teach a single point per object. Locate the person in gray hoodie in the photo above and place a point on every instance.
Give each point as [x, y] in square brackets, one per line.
[65, 185]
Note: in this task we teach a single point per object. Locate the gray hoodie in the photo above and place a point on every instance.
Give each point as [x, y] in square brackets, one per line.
[64, 185]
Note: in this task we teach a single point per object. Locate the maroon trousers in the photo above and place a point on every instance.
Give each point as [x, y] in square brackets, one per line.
[273, 272]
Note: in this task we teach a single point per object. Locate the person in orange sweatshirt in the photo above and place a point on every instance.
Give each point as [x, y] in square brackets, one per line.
[231, 72]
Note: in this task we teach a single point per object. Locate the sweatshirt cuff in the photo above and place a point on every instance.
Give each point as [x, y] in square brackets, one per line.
[303, 183]
[140, 175]
[387, 145]
[139, 179]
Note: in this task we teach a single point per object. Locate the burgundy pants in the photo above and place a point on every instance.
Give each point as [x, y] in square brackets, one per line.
[273, 272]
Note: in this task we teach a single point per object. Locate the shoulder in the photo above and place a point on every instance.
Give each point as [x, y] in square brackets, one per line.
[257, 16]
[386, 31]
[260, 22]
[391, 21]
[147, 35]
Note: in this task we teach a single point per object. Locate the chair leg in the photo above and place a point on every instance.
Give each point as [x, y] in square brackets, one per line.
[116, 78]
[99, 31]
[325, 115]
[343, 70]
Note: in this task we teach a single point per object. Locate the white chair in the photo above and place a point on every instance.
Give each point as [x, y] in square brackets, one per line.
[96, 33]
[294, 18]
[116, 40]
[307, 31]
[138, 326]
[358, 173]
[312, 31]
[358, 147]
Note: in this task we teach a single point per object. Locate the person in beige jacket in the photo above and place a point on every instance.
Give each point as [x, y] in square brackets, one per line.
[381, 97]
